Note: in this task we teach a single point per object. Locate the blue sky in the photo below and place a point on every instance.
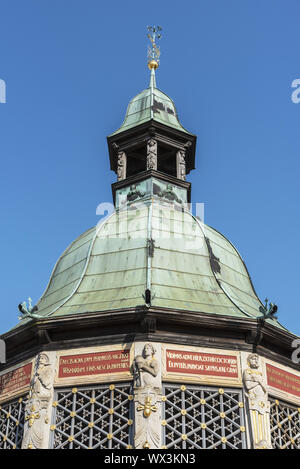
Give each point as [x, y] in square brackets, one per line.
[71, 68]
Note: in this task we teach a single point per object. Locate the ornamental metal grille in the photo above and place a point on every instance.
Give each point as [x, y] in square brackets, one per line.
[285, 425]
[199, 417]
[12, 417]
[93, 417]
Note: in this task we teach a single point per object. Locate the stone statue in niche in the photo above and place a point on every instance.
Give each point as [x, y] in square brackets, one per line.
[258, 404]
[152, 154]
[146, 367]
[181, 165]
[37, 407]
[121, 170]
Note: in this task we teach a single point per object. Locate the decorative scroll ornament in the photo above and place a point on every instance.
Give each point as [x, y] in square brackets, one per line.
[38, 404]
[258, 404]
[152, 154]
[121, 170]
[147, 399]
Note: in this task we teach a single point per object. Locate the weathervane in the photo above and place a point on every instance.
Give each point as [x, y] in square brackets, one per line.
[153, 49]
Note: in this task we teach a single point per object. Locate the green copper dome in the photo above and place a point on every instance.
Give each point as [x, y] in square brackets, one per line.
[192, 268]
[151, 104]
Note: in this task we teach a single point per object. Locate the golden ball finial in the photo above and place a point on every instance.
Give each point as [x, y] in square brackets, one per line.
[152, 65]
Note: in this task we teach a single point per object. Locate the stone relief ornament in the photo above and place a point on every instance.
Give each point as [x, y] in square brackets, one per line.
[152, 154]
[168, 193]
[121, 170]
[147, 398]
[134, 193]
[181, 165]
[258, 403]
[37, 410]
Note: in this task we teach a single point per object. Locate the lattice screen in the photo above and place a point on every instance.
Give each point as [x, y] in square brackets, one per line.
[94, 417]
[12, 417]
[199, 417]
[285, 425]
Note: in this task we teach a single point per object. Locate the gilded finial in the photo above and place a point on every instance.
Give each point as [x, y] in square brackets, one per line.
[153, 49]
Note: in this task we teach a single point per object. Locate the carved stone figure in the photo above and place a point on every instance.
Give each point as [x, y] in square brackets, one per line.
[152, 154]
[256, 390]
[258, 404]
[147, 399]
[146, 367]
[37, 408]
[181, 165]
[122, 162]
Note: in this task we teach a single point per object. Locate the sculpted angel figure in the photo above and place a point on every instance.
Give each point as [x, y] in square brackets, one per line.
[146, 367]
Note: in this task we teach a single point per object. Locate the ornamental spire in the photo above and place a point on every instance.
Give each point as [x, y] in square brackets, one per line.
[153, 49]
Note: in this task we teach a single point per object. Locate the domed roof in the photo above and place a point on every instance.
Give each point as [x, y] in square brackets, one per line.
[190, 267]
[151, 104]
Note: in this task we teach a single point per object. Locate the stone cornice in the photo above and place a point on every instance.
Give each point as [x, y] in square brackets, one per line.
[142, 323]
